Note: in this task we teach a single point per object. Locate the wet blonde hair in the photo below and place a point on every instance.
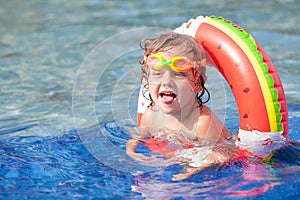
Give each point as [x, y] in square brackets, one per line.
[182, 44]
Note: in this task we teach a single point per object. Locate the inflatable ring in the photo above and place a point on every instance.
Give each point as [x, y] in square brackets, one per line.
[249, 72]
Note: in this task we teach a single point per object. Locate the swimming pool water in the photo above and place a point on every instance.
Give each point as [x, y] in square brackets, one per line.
[61, 167]
[44, 43]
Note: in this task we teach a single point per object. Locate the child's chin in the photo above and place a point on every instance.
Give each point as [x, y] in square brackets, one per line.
[168, 109]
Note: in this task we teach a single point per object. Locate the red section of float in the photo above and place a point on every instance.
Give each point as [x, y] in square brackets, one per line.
[233, 64]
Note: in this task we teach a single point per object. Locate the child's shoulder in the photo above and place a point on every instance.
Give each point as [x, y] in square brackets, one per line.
[205, 114]
[210, 126]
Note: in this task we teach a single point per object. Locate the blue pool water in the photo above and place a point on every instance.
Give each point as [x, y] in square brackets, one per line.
[63, 125]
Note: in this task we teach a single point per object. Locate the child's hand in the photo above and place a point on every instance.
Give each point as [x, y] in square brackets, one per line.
[140, 157]
[152, 160]
[188, 172]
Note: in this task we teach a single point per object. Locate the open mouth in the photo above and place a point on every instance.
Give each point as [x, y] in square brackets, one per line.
[167, 97]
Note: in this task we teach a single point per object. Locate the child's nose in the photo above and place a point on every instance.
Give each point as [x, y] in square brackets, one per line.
[167, 78]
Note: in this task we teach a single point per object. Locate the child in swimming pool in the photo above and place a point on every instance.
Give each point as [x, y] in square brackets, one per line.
[173, 71]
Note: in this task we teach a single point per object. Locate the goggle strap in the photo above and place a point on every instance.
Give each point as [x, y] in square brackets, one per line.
[203, 62]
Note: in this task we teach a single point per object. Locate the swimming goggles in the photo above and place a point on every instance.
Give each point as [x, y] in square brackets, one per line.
[177, 63]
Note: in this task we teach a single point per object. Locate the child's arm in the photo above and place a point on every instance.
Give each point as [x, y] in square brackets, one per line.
[213, 158]
[131, 146]
[221, 154]
[133, 143]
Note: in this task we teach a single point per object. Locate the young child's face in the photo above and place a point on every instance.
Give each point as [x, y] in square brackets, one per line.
[170, 87]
